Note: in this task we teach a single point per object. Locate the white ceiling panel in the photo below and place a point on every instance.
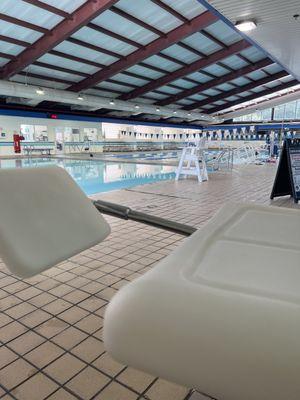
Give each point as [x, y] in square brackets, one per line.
[10, 48]
[122, 26]
[66, 63]
[277, 31]
[105, 41]
[150, 73]
[29, 13]
[188, 8]
[160, 62]
[19, 32]
[202, 43]
[131, 80]
[114, 86]
[150, 13]
[181, 54]
[83, 52]
[65, 5]
[222, 32]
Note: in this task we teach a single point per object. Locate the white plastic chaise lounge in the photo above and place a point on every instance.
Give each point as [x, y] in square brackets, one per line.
[45, 219]
[221, 314]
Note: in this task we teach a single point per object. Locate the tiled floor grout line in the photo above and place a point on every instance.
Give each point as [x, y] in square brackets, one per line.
[73, 290]
[147, 388]
[97, 274]
[88, 364]
[50, 339]
[65, 351]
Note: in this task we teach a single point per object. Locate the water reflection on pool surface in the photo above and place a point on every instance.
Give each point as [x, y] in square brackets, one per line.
[95, 176]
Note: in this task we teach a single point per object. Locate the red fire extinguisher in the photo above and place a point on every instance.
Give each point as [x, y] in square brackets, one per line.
[17, 142]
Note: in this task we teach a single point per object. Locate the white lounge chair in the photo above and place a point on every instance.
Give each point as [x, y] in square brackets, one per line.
[45, 219]
[221, 314]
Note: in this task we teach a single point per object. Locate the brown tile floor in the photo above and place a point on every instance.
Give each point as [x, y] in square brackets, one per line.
[51, 325]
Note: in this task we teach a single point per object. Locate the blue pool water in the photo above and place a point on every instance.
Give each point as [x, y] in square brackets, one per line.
[95, 176]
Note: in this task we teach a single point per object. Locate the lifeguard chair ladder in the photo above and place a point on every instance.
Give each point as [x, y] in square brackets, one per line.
[194, 158]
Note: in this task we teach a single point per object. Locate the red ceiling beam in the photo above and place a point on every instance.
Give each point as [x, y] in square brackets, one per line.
[152, 48]
[215, 82]
[136, 21]
[61, 69]
[114, 35]
[11, 40]
[93, 47]
[24, 24]
[188, 69]
[237, 90]
[82, 16]
[170, 10]
[7, 56]
[253, 96]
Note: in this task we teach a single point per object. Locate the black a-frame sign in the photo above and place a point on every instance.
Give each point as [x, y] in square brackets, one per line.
[287, 180]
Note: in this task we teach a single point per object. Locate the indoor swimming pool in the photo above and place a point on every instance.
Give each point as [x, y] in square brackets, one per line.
[153, 156]
[95, 176]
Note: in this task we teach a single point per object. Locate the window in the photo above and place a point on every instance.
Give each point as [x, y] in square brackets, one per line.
[266, 114]
[28, 132]
[279, 112]
[290, 110]
[33, 133]
[298, 110]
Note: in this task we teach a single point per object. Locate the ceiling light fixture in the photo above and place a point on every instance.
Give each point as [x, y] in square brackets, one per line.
[157, 109]
[245, 26]
[174, 112]
[137, 106]
[40, 91]
[112, 102]
[80, 97]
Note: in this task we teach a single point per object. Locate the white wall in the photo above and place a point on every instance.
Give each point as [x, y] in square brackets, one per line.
[11, 125]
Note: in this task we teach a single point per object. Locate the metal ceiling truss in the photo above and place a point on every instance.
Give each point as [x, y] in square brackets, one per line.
[217, 81]
[263, 93]
[155, 47]
[236, 91]
[84, 16]
[188, 69]
[79, 18]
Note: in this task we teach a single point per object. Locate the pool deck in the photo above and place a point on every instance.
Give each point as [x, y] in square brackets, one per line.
[51, 325]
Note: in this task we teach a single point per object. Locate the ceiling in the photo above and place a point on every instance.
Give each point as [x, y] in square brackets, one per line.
[166, 57]
[278, 31]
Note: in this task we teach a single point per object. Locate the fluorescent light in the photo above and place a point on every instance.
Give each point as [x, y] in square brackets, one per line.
[40, 91]
[80, 97]
[112, 102]
[245, 26]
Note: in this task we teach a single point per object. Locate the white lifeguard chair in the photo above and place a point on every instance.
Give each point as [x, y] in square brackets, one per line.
[192, 161]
